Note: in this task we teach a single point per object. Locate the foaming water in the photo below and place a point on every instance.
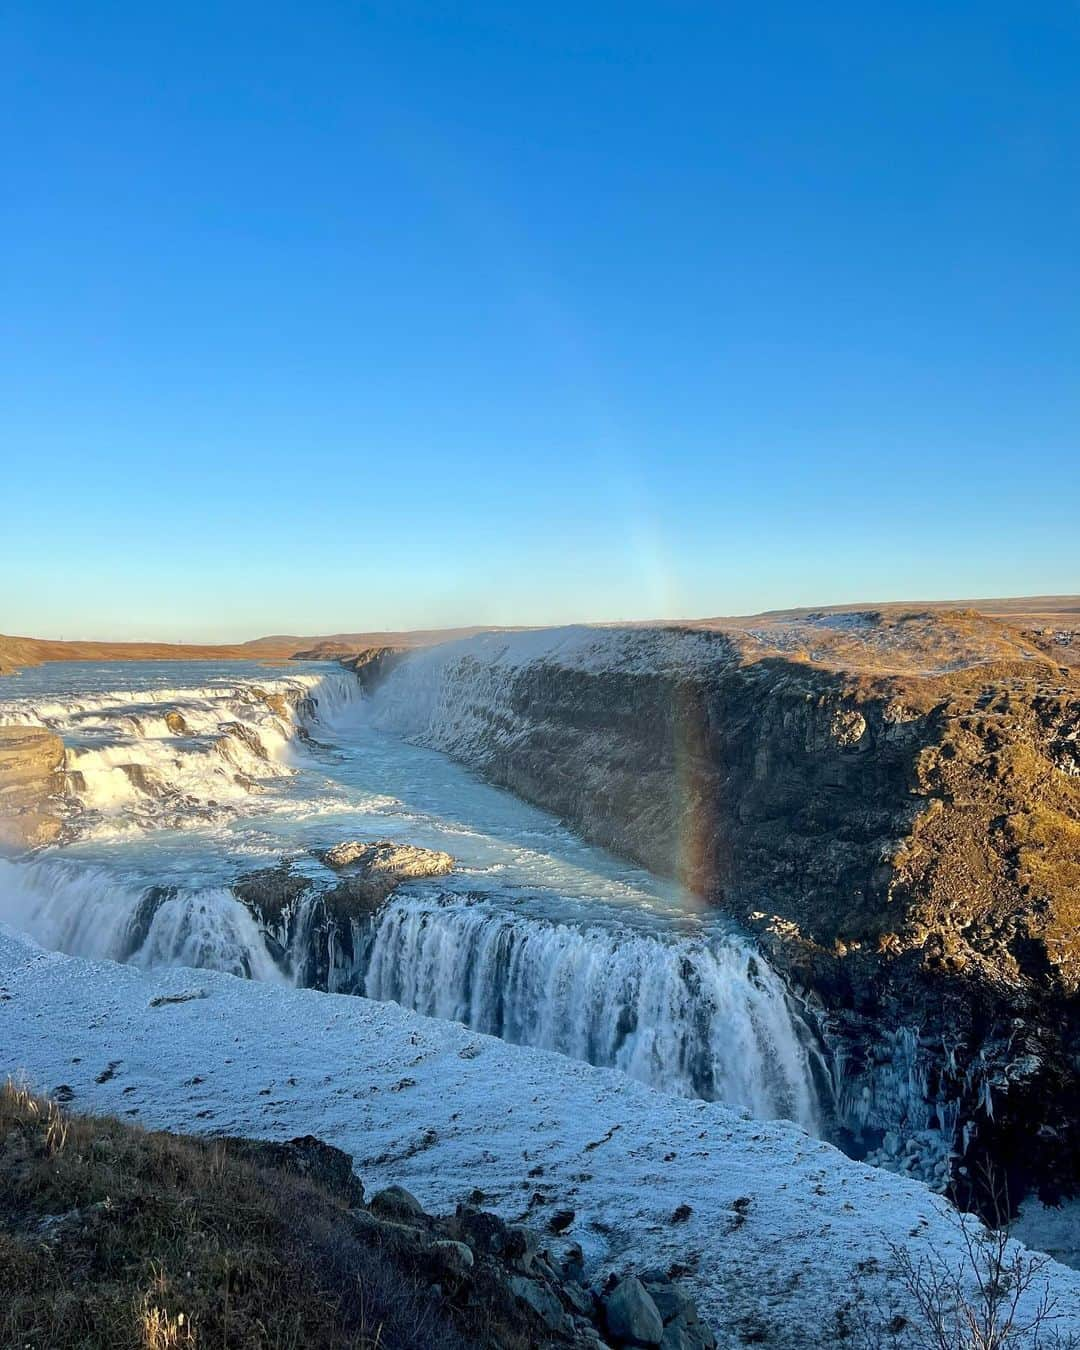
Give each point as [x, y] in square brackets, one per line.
[695, 1017]
[154, 753]
[181, 780]
[86, 911]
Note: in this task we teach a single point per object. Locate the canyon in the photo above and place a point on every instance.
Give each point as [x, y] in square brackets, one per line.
[821, 865]
[889, 800]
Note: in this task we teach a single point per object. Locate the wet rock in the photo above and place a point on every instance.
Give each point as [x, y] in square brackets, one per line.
[272, 892]
[631, 1315]
[143, 779]
[174, 720]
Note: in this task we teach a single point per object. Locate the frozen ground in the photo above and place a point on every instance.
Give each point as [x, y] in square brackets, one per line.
[779, 1231]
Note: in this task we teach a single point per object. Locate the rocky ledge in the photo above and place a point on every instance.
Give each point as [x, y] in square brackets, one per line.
[889, 798]
[314, 922]
[30, 763]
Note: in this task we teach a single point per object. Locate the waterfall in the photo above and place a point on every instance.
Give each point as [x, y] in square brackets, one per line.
[85, 911]
[168, 755]
[632, 984]
[698, 1017]
[459, 696]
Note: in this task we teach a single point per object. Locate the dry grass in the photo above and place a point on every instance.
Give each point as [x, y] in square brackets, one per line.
[112, 1238]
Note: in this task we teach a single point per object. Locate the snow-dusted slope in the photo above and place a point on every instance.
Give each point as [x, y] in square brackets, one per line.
[779, 1231]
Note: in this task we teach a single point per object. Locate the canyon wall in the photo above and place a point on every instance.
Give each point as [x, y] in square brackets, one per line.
[890, 801]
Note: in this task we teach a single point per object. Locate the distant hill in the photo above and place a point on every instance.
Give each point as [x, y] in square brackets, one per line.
[1024, 613]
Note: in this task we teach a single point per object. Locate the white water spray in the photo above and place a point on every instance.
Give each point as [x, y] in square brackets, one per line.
[697, 1017]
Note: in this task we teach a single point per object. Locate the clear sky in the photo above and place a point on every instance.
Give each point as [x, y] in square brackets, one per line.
[319, 317]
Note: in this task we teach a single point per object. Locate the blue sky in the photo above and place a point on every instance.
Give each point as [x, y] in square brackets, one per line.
[321, 317]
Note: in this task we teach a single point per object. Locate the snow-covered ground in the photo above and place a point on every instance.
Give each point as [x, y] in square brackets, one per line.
[778, 1231]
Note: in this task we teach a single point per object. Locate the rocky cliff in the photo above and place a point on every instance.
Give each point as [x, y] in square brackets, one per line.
[30, 760]
[890, 799]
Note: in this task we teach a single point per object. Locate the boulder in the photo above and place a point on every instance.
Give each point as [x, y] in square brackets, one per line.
[371, 871]
[483, 1231]
[631, 1315]
[670, 1297]
[329, 1167]
[543, 1302]
[456, 1257]
[687, 1335]
[396, 1202]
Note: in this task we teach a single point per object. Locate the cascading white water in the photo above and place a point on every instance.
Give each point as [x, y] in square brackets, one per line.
[146, 757]
[701, 1018]
[459, 696]
[84, 911]
[601, 962]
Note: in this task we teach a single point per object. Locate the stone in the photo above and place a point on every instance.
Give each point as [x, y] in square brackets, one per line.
[543, 1302]
[483, 1231]
[631, 1315]
[372, 871]
[573, 1261]
[671, 1298]
[457, 1257]
[397, 1203]
[271, 892]
[384, 855]
[329, 1167]
[579, 1299]
[521, 1247]
[687, 1335]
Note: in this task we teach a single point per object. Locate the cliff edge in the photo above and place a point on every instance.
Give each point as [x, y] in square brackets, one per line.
[890, 799]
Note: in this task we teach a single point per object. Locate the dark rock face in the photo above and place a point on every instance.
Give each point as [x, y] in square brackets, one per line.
[374, 663]
[897, 819]
[328, 1167]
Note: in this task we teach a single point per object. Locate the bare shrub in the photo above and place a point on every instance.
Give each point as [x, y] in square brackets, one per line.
[994, 1295]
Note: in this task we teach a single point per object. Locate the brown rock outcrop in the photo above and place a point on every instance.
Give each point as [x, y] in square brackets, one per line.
[30, 761]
